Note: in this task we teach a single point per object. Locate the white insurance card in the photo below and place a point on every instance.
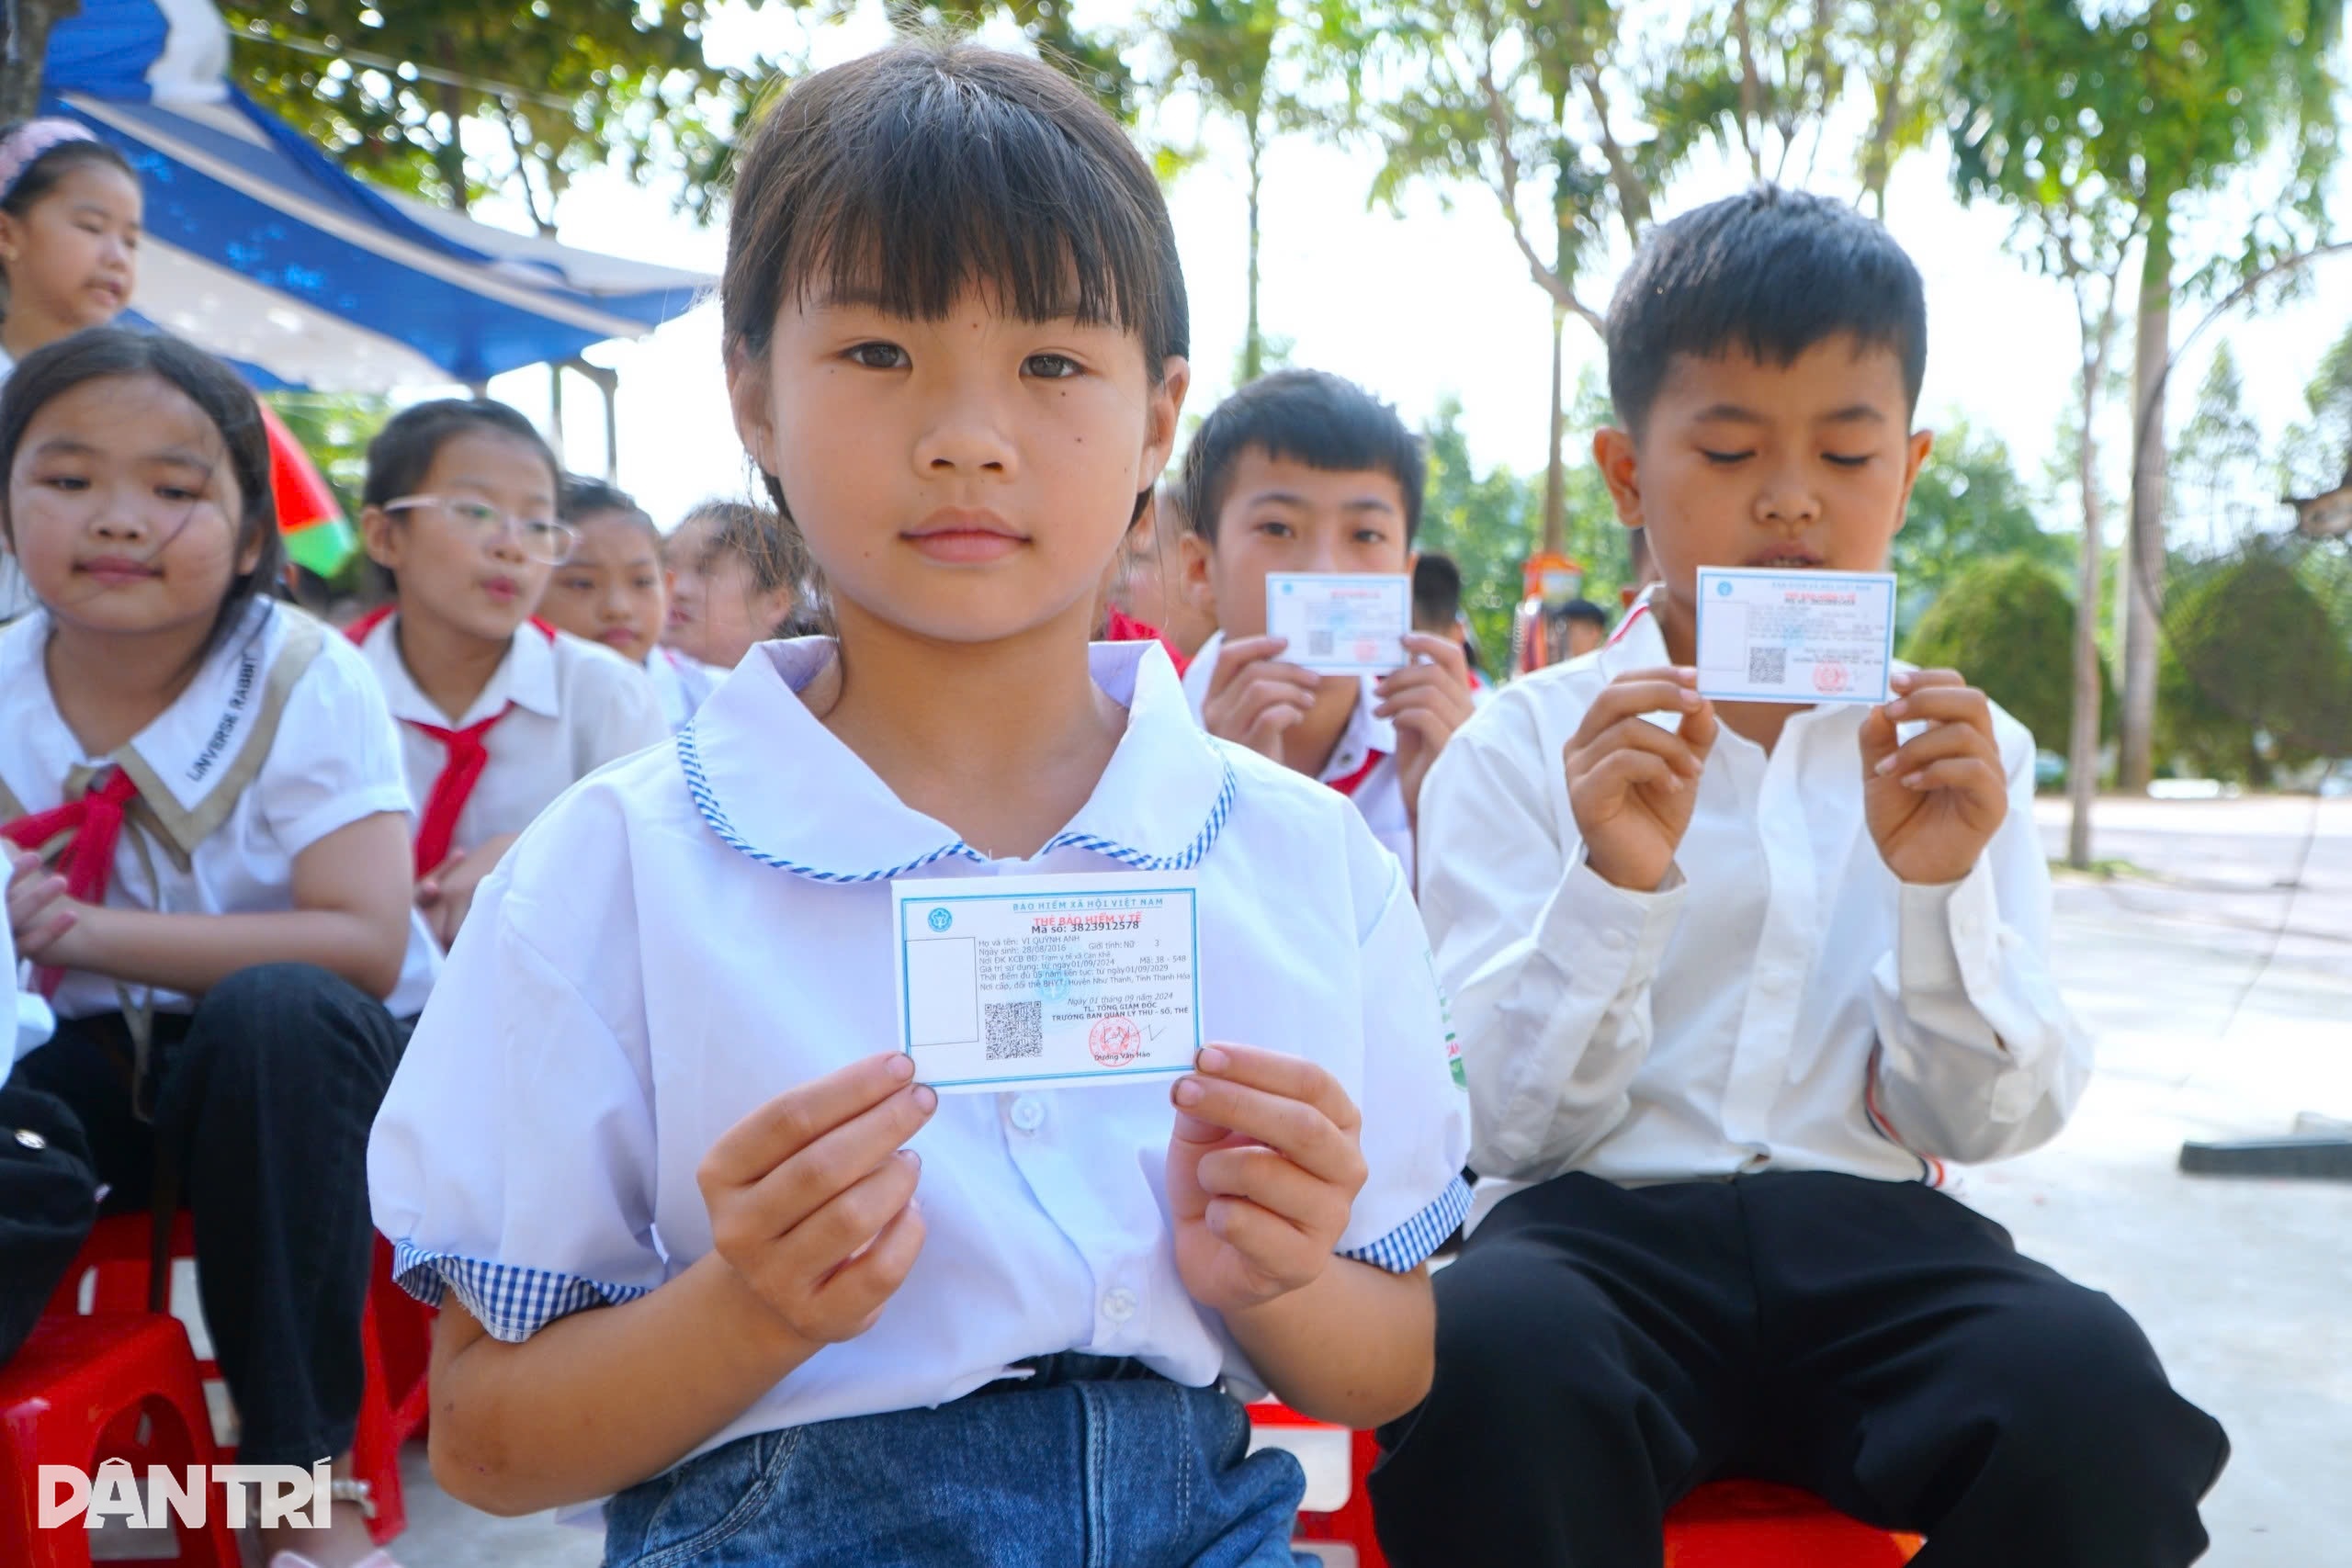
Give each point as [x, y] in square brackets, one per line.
[1048, 982]
[1342, 623]
[1796, 636]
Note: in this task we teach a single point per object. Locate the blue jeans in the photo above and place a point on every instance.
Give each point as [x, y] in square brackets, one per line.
[1086, 1465]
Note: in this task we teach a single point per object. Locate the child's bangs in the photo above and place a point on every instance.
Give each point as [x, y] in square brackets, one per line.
[988, 198]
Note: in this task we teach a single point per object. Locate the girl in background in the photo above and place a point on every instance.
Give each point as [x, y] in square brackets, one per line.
[735, 573]
[207, 822]
[610, 590]
[70, 216]
[499, 713]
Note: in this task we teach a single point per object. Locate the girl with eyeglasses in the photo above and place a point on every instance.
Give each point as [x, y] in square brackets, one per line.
[499, 712]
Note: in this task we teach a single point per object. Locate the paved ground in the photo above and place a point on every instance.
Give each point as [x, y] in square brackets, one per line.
[2222, 1002]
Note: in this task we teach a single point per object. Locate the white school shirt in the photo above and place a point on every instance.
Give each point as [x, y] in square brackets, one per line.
[680, 939]
[577, 706]
[683, 683]
[1378, 792]
[1784, 1002]
[22, 1011]
[333, 760]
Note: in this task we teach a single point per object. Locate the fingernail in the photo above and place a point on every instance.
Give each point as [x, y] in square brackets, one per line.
[911, 1157]
[902, 1066]
[1913, 781]
[1885, 766]
[1897, 709]
[1686, 673]
[1188, 1092]
[1690, 701]
[1213, 1059]
[926, 1099]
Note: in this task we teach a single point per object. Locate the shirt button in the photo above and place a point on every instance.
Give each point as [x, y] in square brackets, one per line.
[1613, 941]
[1118, 1304]
[1028, 1113]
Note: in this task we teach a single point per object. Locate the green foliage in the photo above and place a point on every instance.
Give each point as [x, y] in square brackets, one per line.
[1491, 522]
[334, 428]
[385, 88]
[2008, 623]
[2256, 672]
[1968, 506]
[2318, 451]
[2219, 487]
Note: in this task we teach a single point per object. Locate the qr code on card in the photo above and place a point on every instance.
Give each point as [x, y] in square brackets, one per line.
[1015, 1029]
[1767, 665]
[1319, 642]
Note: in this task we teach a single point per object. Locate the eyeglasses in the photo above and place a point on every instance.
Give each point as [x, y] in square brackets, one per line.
[543, 540]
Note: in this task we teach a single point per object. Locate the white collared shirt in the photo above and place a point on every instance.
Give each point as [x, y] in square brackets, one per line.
[577, 706]
[680, 939]
[333, 760]
[1379, 794]
[1784, 1002]
[683, 683]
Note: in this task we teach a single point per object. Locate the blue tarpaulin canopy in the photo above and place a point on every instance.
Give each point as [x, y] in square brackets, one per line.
[261, 250]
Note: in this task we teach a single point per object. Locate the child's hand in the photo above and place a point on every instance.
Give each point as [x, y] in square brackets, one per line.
[1631, 784]
[1429, 703]
[1936, 802]
[1262, 1171]
[811, 1196]
[446, 894]
[1253, 699]
[40, 914]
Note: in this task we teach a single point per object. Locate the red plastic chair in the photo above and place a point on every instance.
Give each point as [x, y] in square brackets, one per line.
[115, 1259]
[1752, 1524]
[1727, 1524]
[83, 1390]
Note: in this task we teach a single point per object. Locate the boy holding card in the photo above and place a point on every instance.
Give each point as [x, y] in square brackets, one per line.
[1733, 982]
[1308, 480]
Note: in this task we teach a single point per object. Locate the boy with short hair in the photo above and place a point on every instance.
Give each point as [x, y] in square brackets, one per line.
[1731, 987]
[1304, 472]
[1437, 609]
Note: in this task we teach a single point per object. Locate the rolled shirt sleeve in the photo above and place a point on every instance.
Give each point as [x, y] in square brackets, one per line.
[1549, 972]
[513, 1162]
[1416, 1122]
[1978, 1057]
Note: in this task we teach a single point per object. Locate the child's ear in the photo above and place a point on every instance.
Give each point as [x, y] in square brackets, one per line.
[382, 536]
[747, 395]
[1160, 425]
[1614, 452]
[1914, 453]
[1193, 558]
[12, 237]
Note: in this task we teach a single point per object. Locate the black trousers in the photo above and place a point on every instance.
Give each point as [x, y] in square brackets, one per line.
[1602, 1350]
[267, 1091]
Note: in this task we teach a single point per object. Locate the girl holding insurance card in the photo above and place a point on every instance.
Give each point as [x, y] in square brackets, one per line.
[886, 1125]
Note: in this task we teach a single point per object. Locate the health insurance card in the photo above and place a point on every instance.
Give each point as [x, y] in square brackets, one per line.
[1047, 982]
[1796, 636]
[1342, 623]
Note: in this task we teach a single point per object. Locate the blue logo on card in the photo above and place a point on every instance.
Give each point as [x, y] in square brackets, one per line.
[941, 920]
[1723, 590]
[1053, 985]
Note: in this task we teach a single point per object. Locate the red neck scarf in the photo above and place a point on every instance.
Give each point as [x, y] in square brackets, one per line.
[1120, 627]
[1354, 782]
[93, 825]
[437, 831]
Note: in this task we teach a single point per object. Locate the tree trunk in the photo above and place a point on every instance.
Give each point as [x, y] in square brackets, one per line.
[1555, 469]
[2143, 556]
[27, 43]
[450, 158]
[2082, 741]
[1253, 342]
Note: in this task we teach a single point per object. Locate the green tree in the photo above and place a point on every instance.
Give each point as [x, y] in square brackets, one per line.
[2317, 452]
[567, 85]
[1968, 506]
[2256, 675]
[1224, 53]
[2156, 106]
[24, 47]
[2219, 488]
[2006, 624]
[1486, 522]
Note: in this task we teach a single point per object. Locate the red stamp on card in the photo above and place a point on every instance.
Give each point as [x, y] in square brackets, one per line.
[1831, 677]
[1114, 1041]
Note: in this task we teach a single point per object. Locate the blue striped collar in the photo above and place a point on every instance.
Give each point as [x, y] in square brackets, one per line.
[775, 784]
